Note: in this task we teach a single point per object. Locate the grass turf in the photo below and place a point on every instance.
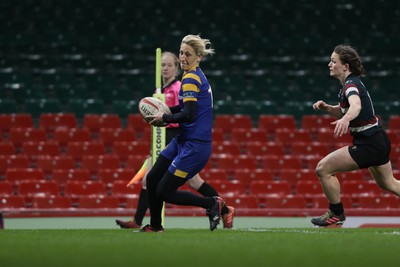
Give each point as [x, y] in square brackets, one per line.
[200, 247]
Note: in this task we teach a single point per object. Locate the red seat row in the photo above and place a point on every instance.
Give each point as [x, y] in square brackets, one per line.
[240, 202]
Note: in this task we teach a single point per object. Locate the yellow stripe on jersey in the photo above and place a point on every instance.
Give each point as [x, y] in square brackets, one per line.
[189, 99]
[193, 76]
[190, 87]
[180, 173]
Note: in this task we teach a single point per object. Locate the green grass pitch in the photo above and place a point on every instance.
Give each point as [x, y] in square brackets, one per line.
[200, 247]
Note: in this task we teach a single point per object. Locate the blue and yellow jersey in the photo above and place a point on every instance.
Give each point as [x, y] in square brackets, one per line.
[195, 87]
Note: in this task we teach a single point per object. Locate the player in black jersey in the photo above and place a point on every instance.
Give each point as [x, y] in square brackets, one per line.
[371, 145]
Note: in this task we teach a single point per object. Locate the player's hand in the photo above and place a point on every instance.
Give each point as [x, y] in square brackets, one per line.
[320, 105]
[156, 119]
[341, 127]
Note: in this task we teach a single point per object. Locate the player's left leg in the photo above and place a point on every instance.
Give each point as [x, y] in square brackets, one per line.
[383, 176]
[338, 161]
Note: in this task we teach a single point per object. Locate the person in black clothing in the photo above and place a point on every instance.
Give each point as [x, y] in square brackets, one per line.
[371, 145]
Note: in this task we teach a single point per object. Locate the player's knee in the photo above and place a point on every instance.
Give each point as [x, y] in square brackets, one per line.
[162, 193]
[319, 170]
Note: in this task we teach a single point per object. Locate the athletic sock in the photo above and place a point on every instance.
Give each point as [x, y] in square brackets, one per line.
[207, 190]
[143, 205]
[336, 208]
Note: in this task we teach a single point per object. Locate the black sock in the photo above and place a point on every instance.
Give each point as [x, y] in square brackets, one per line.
[208, 191]
[336, 208]
[143, 205]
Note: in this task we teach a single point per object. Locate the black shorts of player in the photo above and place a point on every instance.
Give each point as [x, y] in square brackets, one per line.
[171, 133]
[368, 151]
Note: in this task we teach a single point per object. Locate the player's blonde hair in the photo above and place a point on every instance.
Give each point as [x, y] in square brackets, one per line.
[199, 45]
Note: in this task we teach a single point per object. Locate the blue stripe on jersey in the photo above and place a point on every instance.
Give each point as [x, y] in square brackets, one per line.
[195, 87]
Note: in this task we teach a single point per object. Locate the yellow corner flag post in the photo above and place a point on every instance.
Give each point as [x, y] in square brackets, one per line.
[158, 133]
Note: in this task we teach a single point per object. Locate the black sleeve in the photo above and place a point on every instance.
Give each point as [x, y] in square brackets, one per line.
[175, 109]
[188, 114]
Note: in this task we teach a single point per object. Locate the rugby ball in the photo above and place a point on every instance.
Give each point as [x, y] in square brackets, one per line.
[149, 106]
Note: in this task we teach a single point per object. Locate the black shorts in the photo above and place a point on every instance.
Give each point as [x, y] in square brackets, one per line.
[372, 150]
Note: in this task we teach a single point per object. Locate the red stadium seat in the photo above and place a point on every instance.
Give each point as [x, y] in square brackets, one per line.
[19, 174]
[6, 188]
[309, 188]
[286, 202]
[108, 176]
[13, 161]
[79, 149]
[41, 148]
[121, 191]
[30, 188]
[246, 176]
[380, 202]
[51, 121]
[361, 188]
[231, 162]
[51, 202]
[65, 135]
[79, 189]
[96, 121]
[327, 137]
[264, 149]
[310, 162]
[90, 202]
[218, 135]
[276, 163]
[18, 120]
[48, 163]
[245, 135]
[7, 148]
[308, 149]
[62, 176]
[314, 123]
[19, 135]
[137, 123]
[135, 161]
[127, 149]
[352, 176]
[96, 162]
[227, 122]
[269, 188]
[292, 176]
[287, 137]
[273, 122]
[11, 202]
[242, 202]
[226, 147]
[110, 135]
[394, 122]
[228, 188]
[217, 174]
